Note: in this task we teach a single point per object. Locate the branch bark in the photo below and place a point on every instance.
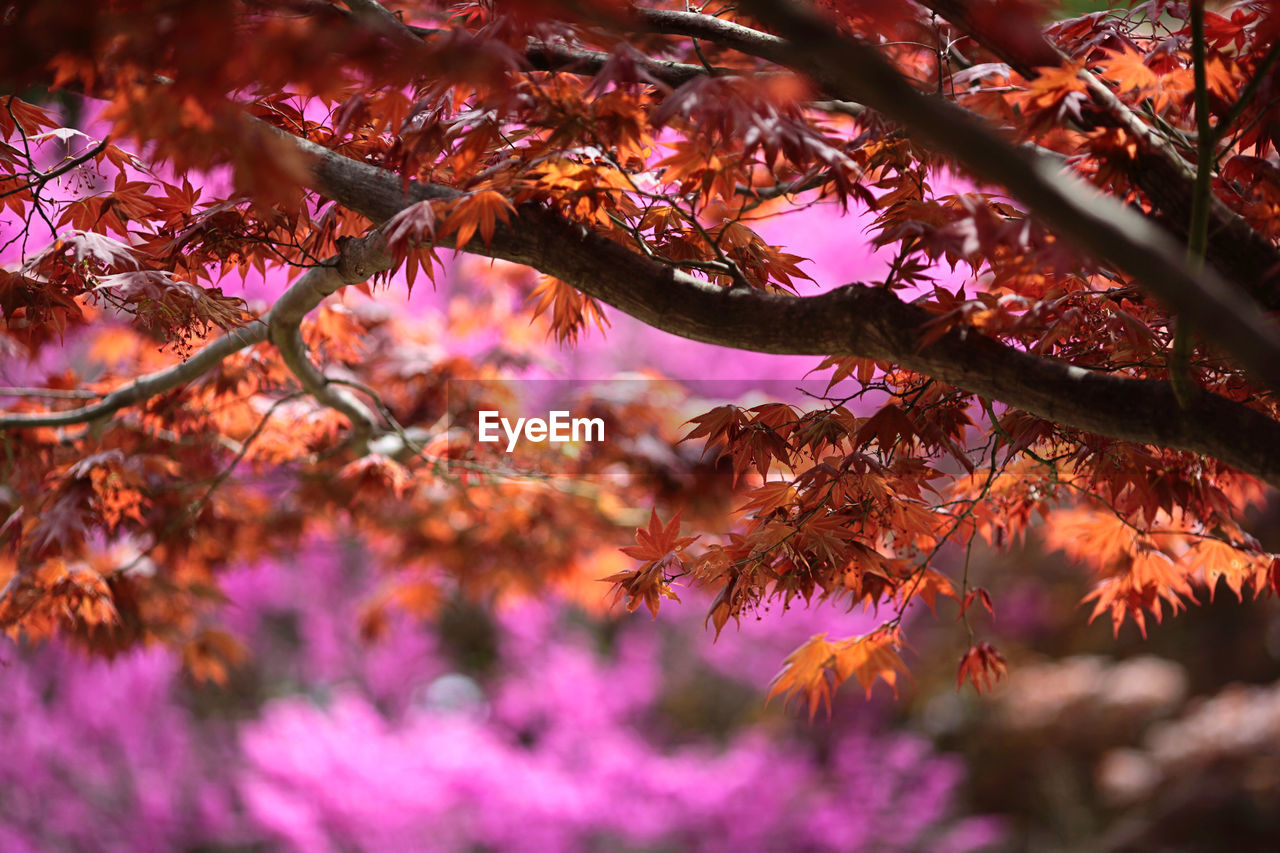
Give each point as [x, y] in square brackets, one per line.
[357, 261]
[853, 320]
[144, 387]
[542, 56]
[1236, 249]
[1095, 223]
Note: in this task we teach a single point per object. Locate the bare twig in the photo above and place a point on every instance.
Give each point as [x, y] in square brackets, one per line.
[358, 260]
[144, 387]
[51, 393]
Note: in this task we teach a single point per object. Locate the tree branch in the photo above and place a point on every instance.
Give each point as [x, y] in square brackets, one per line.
[542, 56]
[1096, 223]
[713, 29]
[850, 321]
[1168, 180]
[356, 262]
[380, 19]
[39, 179]
[144, 387]
[1237, 250]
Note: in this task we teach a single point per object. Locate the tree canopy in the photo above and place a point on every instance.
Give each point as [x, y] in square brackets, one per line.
[1104, 365]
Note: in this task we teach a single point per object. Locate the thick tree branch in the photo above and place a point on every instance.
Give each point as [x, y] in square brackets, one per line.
[378, 18]
[851, 321]
[542, 56]
[1093, 222]
[854, 320]
[710, 28]
[1236, 249]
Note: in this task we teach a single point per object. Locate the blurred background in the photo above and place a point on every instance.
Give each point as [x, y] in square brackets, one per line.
[556, 725]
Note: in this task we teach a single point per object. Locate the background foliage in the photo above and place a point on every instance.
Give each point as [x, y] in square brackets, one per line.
[264, 589]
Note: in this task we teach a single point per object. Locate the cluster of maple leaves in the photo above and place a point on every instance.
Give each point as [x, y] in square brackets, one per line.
[674, 144]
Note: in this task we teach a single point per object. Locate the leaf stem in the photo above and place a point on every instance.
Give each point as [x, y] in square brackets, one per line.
[1184, 388]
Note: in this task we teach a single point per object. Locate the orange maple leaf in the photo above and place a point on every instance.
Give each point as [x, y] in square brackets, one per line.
[819, 666]
[983, 666]
[931, 585]
[659, 547]
[869, 657]
[1221, 560]
[659, 542]
[571, 311]
[479, 211]
[808, 672]
[1054, 84]
[1128, 70]
[1149, 577]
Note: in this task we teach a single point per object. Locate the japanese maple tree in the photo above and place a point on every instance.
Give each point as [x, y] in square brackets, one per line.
[1109, 362]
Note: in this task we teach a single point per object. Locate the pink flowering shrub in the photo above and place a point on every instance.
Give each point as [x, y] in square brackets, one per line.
[546, 731]
[104, 756]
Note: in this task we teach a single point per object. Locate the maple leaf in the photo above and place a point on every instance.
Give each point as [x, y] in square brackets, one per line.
[825, 536]
[415, 224]
[1219, 560]
[871, 657]
[1129, 71]
[808, 672]
[825, 429]
[647, 586]
[173, 308]
[658, 542]
[85, 246]
[819, 666]
[1220, 80]
[1149, 578]
[372, 476]
[759, 436]
[571, 311]
[1098, 538]
[843, 367]
[727, 603]
[887, 428]
[977, 594]
[721, 425]
[479, 211]
[983, 666]
[770, 498]
[931, 585]
[1054, 85]
[659, 548]
[336, 331]
[24, 117]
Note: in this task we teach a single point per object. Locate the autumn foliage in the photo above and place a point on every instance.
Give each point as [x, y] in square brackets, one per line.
[1073, 335]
